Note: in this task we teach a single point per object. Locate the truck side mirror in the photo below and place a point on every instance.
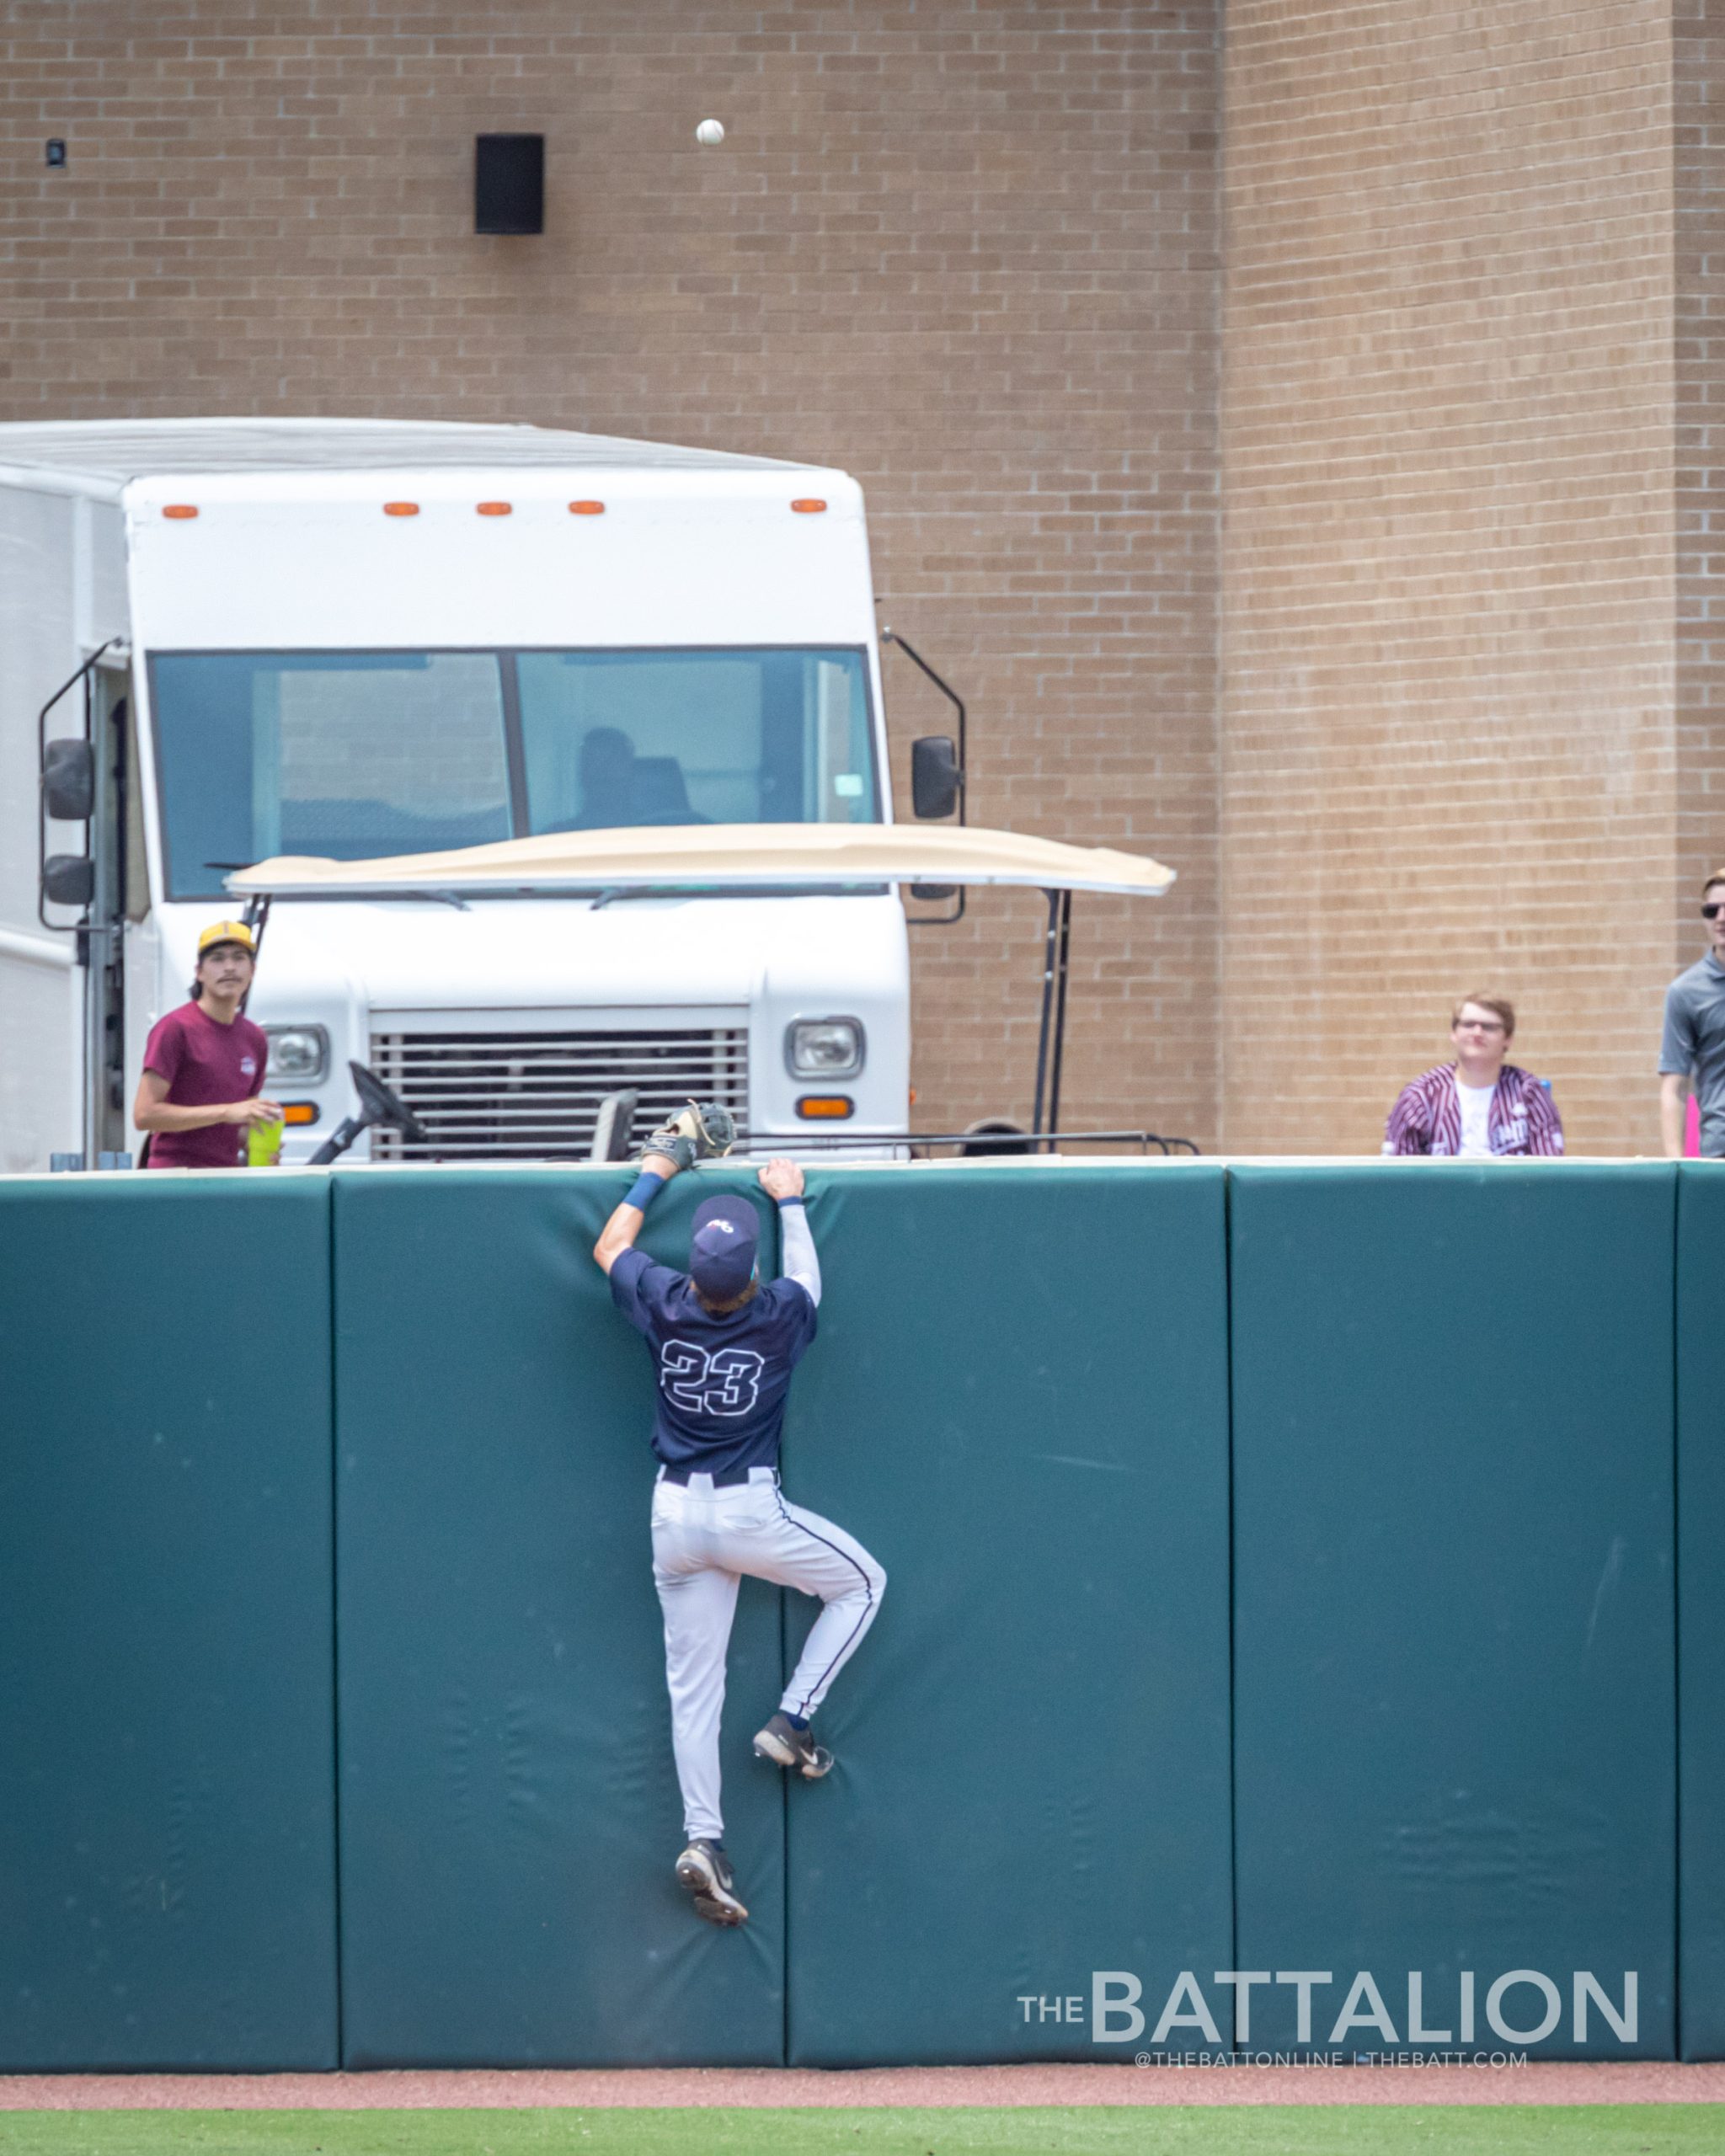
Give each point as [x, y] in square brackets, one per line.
[69, 781]
[935, 775]
[68, 880]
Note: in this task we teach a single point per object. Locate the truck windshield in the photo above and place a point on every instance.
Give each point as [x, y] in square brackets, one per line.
[357, 754]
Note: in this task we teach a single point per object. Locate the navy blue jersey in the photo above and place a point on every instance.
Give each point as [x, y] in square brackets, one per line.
[722, 1381]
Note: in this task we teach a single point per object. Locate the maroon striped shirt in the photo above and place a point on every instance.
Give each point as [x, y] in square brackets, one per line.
[1427, 1117]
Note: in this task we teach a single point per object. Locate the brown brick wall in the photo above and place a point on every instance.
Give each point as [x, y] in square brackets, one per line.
[1699, 97]
[965, 250]
[1449, 755]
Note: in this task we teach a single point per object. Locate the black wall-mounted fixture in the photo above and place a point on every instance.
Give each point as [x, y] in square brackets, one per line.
[508, 183]
[54, 152]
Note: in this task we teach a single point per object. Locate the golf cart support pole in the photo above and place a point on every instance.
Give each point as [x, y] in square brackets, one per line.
[1061, 971]
[1051, 1042]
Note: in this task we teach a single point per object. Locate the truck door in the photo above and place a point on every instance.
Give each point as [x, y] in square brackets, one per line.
[112, 842]
[95, 782]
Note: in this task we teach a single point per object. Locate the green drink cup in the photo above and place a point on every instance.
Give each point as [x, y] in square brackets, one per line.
[263, 1144]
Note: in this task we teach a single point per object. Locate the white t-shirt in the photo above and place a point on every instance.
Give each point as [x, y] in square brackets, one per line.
[1475, 1120]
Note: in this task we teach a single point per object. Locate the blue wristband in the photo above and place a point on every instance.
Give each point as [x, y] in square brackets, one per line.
[795, 1199]
[644, 1189]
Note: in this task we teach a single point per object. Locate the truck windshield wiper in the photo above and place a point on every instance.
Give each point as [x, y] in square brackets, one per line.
[617, 893]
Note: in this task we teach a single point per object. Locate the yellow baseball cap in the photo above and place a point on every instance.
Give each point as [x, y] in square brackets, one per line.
[227, 932]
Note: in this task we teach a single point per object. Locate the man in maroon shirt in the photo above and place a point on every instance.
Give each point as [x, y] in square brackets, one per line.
[202, 1084]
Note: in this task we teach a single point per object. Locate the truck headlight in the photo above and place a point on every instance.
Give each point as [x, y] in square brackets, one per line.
[824, 1048]
[299, 1052]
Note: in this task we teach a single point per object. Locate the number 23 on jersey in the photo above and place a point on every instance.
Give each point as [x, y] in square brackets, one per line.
[716, 1381]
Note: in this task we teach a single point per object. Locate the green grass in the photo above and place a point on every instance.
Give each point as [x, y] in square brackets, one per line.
[1265, 2129]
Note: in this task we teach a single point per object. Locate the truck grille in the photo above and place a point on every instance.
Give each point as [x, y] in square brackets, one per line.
[535, 1096]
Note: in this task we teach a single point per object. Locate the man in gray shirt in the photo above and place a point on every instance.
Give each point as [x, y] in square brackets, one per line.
[1694, 1037]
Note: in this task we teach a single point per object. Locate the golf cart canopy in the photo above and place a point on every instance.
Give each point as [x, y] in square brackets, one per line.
[718, 856]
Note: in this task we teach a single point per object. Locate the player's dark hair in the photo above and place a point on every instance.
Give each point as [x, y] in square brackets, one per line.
[730, 1303]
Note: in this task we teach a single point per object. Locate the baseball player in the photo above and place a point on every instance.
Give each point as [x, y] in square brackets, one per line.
[724, 1343]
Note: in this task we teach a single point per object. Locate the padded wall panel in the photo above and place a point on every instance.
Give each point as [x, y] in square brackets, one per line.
[167, 1893]
[1018, 1401]
[1701, 1590]
[509, 1811]
[1454, 1728]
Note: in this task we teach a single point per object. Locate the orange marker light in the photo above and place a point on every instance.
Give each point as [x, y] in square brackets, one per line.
[494, 508]
[807, 506]
[830, 1108]
[179, 510]
[401, 508]
[299, 1112]
[586, 508]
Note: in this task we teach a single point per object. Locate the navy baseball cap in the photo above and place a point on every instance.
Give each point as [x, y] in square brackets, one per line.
[722, 1247]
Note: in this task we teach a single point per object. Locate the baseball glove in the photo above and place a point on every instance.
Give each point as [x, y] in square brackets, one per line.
[702, 1131]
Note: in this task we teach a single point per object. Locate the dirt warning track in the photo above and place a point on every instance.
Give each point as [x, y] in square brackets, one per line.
[780, 2088]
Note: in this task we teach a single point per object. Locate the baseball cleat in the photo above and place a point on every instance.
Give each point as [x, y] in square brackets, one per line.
[788, 1747]
[705, 1870]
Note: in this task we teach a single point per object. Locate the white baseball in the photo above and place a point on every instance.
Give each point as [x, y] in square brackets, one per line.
[710, 133]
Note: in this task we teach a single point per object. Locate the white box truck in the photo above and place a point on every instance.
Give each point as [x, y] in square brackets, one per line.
[354, 640]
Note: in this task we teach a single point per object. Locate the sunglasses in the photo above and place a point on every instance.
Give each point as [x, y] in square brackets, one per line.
[1713, 911]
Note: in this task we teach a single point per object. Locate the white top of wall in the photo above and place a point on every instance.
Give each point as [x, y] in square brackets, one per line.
[107, 454]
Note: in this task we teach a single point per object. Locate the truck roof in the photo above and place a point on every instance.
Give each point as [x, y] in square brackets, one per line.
[101, 456]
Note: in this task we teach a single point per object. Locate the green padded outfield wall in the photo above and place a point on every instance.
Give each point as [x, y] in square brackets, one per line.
[1456, 1749]
[1018, 1402]
[1455, 1729]
[509, 1814]
[1701, 1588]
[167, 1895]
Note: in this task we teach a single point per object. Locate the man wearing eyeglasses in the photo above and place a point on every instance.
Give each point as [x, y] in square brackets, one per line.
[1694, 1046]
[1479, 1107]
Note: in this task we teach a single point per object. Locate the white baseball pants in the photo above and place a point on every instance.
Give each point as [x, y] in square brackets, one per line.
[704, 1539]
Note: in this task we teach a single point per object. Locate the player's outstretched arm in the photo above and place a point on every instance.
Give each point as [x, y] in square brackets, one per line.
[620, 1230]
[782, 1181]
